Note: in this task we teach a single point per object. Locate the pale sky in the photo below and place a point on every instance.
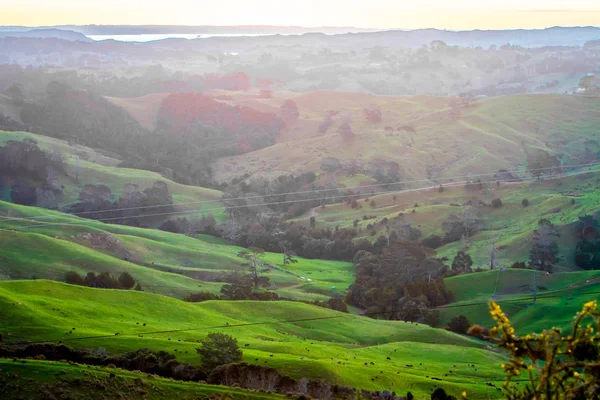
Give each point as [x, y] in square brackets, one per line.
[464, 14]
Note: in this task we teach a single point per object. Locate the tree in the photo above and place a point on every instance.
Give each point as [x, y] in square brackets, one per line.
[544, 249]
[462, 263]
[289, 111]
[218, 349]
[373, 113]
[126, 280]
[73, 278]
[540, 162]
[16, 92]
[253, 257]
[459, 324]
[23, 194]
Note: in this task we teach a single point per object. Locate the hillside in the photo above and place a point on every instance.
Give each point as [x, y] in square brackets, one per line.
[509, 226]
[84, 166]
[559, 297]
[163, 262]
[300, 349]
[424, 137]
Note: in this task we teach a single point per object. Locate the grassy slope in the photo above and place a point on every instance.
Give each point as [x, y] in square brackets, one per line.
[48, 310]
[92, 167]
[80, 382]
[487, 136]
[510, 226]
[560, 296]
[60, 248]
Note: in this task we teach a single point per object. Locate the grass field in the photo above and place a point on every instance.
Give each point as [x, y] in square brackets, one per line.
[166, 263]
[559, 297]
[331, 345]
[92, 167]
[81, 382]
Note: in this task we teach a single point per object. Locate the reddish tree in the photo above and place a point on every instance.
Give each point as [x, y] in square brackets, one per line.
[346, 131]
[289, 111]
[373, 113]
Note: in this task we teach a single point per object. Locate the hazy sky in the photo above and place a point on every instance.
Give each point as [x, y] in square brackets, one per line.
[464, 14]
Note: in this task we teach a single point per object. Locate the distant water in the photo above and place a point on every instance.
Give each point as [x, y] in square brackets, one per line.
[148, 37]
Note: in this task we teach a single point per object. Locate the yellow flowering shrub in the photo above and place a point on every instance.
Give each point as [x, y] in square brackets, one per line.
[555, 365]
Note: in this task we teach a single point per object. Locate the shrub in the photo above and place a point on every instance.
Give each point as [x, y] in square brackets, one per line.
[496, 203]
[459, 324]
[433, 242]
[525, 203]
[218, 349]
[200, 296]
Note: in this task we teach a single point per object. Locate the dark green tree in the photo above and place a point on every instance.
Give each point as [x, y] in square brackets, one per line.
[544, 249]
[462, 263]
[218, 349]
[126, 280]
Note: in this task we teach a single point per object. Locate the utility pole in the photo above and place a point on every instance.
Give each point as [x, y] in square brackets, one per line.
[493, 255]
[534, 286]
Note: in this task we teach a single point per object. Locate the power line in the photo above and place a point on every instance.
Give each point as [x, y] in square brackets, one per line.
[254, 205]
[321, 190]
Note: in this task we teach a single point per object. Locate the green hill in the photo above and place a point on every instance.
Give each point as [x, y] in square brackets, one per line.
[84, 165]
[510, 226]
[166, 263]
[559, 297]
[327, 344]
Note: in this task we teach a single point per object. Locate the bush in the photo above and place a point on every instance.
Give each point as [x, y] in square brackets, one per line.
[218, 349]
[433, 242]
[496, 203]
[200, 296]
[459, 324]
[525, 203]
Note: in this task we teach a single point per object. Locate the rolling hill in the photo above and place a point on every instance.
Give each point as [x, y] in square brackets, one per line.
[486, 135]
[562, 201]
[327, 344]
[559, 297]
[163, 262]
[84, 165]
[428, 137]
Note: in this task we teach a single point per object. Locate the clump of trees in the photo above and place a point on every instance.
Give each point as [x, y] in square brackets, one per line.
[103, 280]
[31, 173]
[134, 207]
[402, 283]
